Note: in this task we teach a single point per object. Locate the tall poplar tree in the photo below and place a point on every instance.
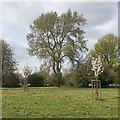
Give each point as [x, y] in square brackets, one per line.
[54, 37]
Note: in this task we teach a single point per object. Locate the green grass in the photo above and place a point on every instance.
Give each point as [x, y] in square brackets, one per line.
[63, 102]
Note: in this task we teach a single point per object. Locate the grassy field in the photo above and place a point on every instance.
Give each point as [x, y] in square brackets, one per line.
[53, 102]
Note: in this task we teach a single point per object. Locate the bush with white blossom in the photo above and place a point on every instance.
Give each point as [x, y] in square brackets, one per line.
[97, 66]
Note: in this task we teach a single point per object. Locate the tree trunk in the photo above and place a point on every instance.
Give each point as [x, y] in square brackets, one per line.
[25, 84]
[59, 75]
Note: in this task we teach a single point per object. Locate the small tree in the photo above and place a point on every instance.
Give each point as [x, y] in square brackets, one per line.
[27, 71]
[98, 69]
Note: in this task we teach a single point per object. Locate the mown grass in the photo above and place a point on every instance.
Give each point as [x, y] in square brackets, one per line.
[63, 102]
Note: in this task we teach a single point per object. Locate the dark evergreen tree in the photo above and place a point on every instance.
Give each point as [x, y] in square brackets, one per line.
[8, 64]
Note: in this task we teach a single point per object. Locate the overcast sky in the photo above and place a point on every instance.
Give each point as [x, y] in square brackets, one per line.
[15, 18]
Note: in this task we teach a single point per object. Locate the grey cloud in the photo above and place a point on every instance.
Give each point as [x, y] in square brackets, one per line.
[99, 13]
[21, 55]
[95, 12]
[23, 14]
[19, 50]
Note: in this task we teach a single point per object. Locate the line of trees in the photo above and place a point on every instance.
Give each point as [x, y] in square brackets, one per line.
[55, 39]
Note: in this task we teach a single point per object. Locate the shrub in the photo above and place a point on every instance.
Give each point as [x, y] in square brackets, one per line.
[12, 80]
[35, 80]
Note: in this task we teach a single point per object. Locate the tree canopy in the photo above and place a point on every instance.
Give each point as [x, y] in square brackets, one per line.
[107, 48]
[53, 37]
